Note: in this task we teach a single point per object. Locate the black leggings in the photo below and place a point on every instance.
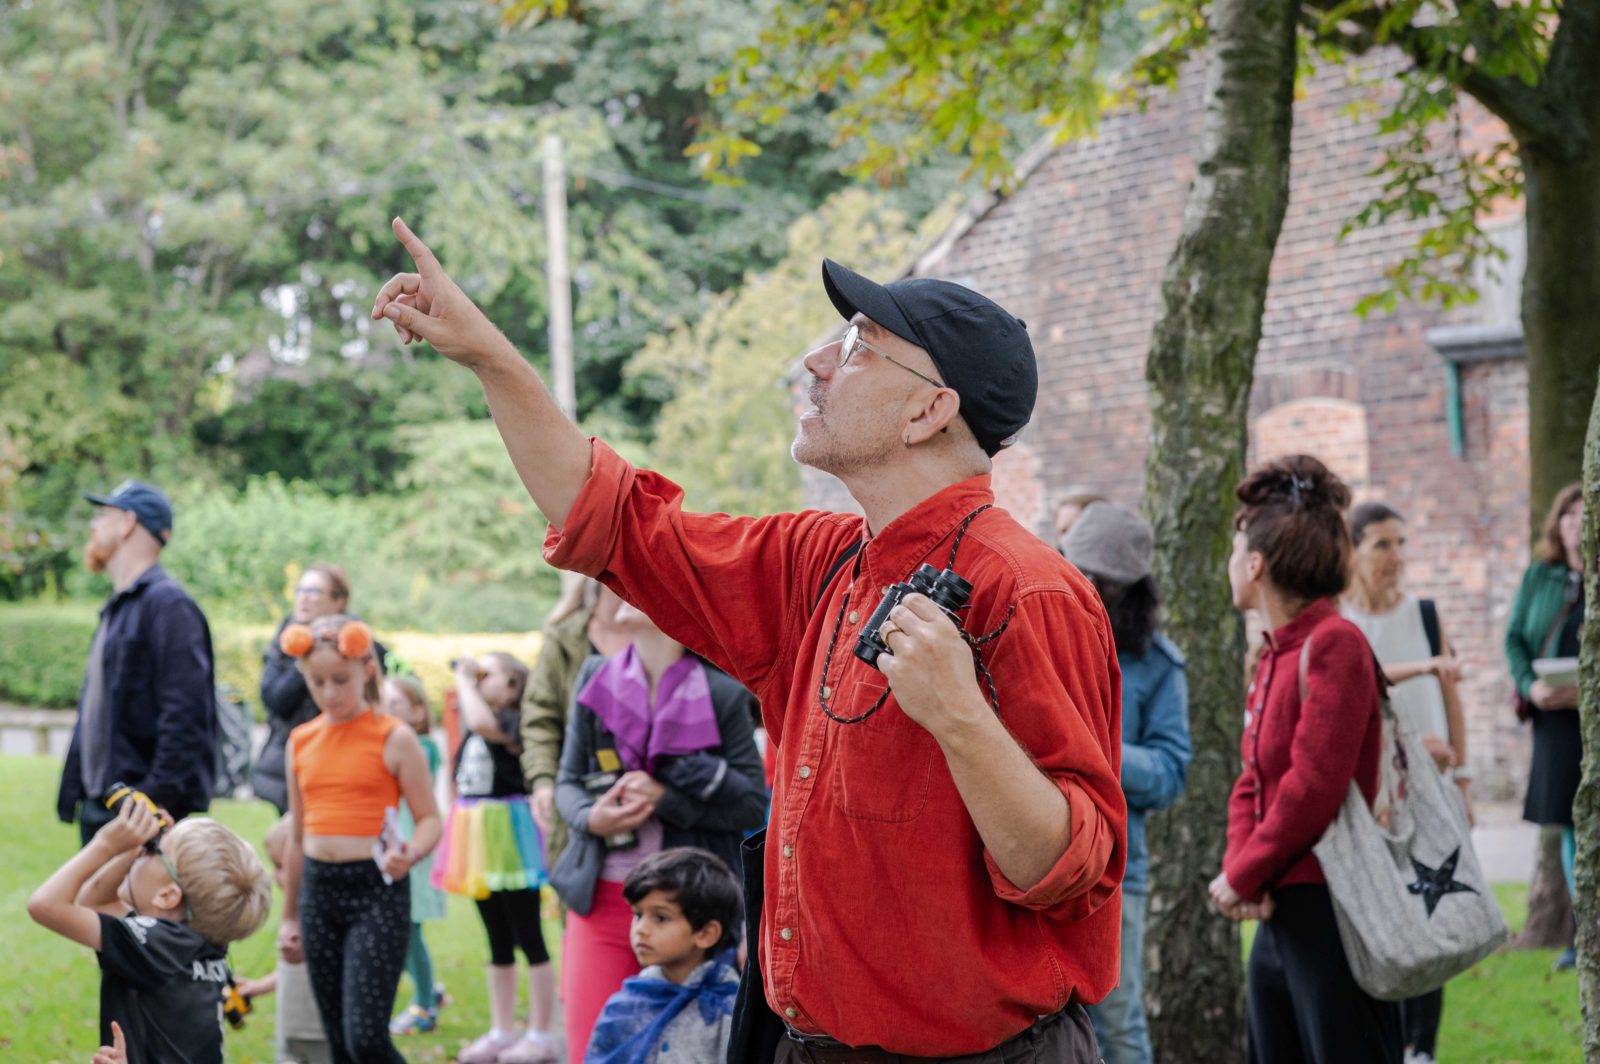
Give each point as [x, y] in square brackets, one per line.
[512, 919]
[1303, 1005]
[1422, 1015]
[355, 931]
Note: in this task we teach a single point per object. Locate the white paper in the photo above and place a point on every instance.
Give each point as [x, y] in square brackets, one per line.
[1557, 672]
[388, 839]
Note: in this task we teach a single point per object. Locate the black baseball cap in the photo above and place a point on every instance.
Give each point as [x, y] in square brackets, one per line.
[146, 503]
[983, 353]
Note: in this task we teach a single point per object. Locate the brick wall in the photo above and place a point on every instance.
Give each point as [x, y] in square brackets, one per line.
[1078, 252]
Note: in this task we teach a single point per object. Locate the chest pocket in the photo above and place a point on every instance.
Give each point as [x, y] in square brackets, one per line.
[882, 766]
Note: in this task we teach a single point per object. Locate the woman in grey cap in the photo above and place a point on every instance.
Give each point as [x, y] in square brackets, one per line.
[1112, 547]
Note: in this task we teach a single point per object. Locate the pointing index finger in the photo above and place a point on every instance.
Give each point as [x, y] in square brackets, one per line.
[427, 263]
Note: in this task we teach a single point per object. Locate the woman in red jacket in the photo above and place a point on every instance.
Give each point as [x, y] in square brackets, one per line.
[1290, 557]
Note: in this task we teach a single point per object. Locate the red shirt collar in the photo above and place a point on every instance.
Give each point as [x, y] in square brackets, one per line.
[911, 539]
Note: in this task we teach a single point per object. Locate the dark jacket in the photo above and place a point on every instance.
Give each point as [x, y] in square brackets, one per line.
[288, 704]
[712, 797]
[160, 694]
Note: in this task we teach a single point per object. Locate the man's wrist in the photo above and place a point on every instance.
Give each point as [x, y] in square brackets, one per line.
[498, 355]
[970, 728]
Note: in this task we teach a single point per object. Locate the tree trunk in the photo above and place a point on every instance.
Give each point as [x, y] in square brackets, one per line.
[1549, 924]
[1586, 807]
[1560, 314]
[1200, 369]
[1560, 320]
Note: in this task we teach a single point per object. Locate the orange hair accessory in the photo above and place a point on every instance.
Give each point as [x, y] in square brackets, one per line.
[296, 640]
[355, 640]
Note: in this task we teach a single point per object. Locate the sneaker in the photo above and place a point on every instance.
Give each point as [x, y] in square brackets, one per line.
[1567, 960]
[534, 1047]
[487, 1049]
[441, 997]
[414, 1020]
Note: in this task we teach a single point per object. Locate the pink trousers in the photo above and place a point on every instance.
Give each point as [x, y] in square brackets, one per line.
[595, 959]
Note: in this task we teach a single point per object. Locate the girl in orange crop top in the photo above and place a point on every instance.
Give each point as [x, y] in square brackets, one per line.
[347, 903]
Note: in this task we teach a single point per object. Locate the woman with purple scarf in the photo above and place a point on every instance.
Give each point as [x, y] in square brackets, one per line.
[660, 752]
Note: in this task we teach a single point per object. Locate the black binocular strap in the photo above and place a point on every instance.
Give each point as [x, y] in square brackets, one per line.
[833, 570]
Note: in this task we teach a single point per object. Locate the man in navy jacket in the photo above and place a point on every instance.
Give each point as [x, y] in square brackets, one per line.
[147, 709]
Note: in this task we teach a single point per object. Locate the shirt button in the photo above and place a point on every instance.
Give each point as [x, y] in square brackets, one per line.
[790, 1013]
[805, 772]
[787, 933]
[827, 692]
[853, 617]
[788, 851]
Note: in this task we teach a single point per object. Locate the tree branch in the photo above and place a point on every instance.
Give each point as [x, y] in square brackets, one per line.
[1573, 69]
[1532, 111]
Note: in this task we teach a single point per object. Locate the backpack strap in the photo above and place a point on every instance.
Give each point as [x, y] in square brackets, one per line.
[833, 570]
[1305, 663]
[1430, 625]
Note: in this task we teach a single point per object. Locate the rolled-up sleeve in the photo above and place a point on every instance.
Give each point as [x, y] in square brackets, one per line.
[1067, 715]
[1078, 870]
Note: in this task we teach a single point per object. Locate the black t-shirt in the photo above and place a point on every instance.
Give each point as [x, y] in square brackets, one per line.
[490, 770]
[162, 983]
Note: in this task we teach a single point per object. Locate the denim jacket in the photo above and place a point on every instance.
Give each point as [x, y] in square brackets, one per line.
[1155, 743]
[160, 697]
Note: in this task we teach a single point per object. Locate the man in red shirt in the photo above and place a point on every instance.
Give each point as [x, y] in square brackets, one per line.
[943, 863]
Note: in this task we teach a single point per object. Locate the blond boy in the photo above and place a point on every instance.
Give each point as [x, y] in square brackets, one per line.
[159, 908]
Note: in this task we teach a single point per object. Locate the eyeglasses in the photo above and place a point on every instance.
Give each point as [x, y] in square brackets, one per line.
[152, 848]
[852, 342]
[314, 592]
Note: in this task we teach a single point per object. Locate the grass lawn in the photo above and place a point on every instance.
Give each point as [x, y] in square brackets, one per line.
[1511, 1009]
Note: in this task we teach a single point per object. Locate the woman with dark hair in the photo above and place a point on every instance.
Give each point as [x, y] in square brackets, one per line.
[1291, 552]
[1416, 656]
[1113, 547]
[321, 591]
[1545, 622]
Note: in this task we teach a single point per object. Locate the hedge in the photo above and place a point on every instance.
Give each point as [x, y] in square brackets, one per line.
[43, 647]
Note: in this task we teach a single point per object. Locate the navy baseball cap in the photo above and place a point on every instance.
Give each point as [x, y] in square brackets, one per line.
[983, 353]
[146, 503]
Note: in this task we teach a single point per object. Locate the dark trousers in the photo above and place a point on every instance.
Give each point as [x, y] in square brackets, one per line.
[1065, 1038]
[511, 919]
[92, 816]
[1304, 1006]
[1421, 1017]
[355, 930]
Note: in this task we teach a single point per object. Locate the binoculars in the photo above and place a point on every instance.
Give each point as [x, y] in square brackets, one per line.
[947, 590]
[482, 672]
[121, 792]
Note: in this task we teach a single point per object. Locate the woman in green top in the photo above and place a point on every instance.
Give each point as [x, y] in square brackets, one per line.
[1544, 624]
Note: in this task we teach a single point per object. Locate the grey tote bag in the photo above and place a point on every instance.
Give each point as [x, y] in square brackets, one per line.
[1413, 907]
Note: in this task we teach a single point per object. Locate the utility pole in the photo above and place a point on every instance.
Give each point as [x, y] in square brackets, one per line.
[558, 293]
[557, 281]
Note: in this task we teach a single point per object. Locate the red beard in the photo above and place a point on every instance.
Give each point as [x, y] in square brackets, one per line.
[96, 557]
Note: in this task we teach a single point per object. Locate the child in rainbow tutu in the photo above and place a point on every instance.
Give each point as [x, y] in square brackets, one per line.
[492, 852]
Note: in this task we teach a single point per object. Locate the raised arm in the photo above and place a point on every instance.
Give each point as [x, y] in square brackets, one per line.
[551, 455]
